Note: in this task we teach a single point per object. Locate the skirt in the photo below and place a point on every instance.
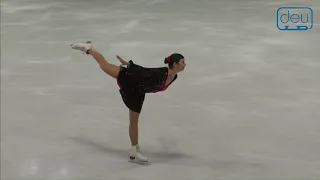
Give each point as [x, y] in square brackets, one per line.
[132, 97]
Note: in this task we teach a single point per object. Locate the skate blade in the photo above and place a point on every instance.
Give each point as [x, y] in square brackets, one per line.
[90, 42]
[138, 162]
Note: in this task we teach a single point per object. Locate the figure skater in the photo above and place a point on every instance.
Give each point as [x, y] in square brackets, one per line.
[134, 82]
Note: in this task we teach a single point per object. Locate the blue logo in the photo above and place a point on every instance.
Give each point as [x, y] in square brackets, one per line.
[295, 18]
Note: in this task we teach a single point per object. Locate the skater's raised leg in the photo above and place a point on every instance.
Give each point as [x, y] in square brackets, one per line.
[108, 68]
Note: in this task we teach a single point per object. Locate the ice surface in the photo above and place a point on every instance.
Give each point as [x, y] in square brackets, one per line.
[246, 107]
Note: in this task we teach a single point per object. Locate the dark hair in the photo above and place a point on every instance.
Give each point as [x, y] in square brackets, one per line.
[173, 58]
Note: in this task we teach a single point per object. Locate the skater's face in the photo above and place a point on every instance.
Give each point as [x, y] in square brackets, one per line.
[180, 65]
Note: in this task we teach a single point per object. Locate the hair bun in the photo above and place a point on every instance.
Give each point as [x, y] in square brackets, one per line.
[166, 61]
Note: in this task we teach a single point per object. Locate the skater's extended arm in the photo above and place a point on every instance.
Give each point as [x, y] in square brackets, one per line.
[123, 62]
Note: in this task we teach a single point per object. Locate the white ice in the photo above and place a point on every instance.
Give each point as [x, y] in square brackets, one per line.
[247, 106]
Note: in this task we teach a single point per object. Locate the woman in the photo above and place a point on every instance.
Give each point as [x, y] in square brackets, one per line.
[134, 82]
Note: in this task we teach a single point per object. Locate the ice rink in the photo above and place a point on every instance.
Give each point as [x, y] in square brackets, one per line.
[247, 106]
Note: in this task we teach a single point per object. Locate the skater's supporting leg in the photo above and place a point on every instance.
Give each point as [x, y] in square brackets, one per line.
[108, 68]
[133, 127]
[133, 131]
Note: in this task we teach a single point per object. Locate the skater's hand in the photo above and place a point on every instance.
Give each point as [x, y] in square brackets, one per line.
[122, 60]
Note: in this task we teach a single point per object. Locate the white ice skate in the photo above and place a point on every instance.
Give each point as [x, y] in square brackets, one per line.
[82, 46]
[136, 154]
